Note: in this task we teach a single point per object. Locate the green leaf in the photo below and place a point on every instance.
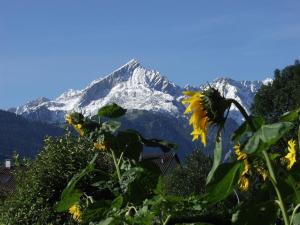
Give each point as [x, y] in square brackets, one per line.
[107, 221]
[129, 143]
[111, 111]
[245, 128]
[159, 190]
[164, 145]
[217, 160]
[70, 195]
[266, 136]
[296, 219]
[97, 210]
[290, 116]
[223, 182]
[256, 213]
[291, 179]
[111, 126]
[117, 202]
[299, 137]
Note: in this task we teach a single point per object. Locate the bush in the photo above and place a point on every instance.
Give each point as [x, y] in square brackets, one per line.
[190, 178]
[40, 182]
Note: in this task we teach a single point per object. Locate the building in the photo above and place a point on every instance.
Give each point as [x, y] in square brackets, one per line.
[166, 162]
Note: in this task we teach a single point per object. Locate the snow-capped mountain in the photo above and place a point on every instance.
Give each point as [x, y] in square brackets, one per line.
[133, 87]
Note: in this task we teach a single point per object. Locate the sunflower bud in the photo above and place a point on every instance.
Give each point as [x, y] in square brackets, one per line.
[215, 105]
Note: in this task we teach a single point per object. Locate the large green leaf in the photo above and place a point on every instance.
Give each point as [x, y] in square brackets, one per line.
[264, 213]
[290, 116]
[107, 221]
[217, 160]
[299, 137]
[258, 121]
[296, 219]
[110, 126]
[164, 145]
[291, 179]
[97, 210]
[266, 136]
[71, 195]
[129, 143]
[111, 111]
[223, 182]
[117, 202]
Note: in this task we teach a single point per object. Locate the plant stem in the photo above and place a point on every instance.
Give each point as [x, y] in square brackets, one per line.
[268, 161]
[167, 220]
[274, 182]
[294, 213]
[244, 113]
[116, 165]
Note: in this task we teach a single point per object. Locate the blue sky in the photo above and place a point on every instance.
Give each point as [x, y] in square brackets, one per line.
[47, 47]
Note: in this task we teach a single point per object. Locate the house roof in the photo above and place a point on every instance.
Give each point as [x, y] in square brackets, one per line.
[7, 182]
[164, 161]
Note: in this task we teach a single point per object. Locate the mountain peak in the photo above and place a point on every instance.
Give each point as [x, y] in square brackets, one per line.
[130, 65]
[133, 86]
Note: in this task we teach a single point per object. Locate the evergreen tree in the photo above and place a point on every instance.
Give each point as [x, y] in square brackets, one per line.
[280, 96]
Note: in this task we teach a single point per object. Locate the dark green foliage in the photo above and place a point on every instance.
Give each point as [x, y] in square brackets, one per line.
[266, 136]
[191, 177]
[20, 135]
[281, 96]
[225, 179]
[40, 182]
[111, 111]
[176, 130]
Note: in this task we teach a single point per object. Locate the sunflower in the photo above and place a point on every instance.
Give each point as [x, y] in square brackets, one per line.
[207, 108]
[291, 156]
[99, 146]
[69, 119]
[79, 129]
[243, 182]
[262, 172]
[77, 125]
[199, 119]
[74, 210]
[240, 155]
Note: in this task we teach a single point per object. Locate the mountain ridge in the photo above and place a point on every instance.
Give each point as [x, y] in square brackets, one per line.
[134, 87]
[153, 103]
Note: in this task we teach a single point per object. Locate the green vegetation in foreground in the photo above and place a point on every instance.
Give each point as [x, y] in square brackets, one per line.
[39, 182]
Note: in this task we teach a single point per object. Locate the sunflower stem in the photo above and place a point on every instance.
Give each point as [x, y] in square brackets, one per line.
[244, 113]
[167, 220]
[275, 185]
[116, 165]
[268, 161]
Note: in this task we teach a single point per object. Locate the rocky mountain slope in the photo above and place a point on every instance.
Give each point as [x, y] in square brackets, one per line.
[133, 87]
[150, 98]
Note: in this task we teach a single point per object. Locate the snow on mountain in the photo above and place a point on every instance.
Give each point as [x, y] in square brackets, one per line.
[133, 87]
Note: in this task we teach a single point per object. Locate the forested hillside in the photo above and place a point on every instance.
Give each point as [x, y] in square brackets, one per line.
[279, 96]
[24, 137]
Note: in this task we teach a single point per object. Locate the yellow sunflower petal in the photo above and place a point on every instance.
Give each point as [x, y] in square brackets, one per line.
[291, 156]
[243, 183]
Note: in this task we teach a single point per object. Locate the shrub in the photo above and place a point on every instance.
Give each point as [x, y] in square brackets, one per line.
[40, 182]
[191, 177]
